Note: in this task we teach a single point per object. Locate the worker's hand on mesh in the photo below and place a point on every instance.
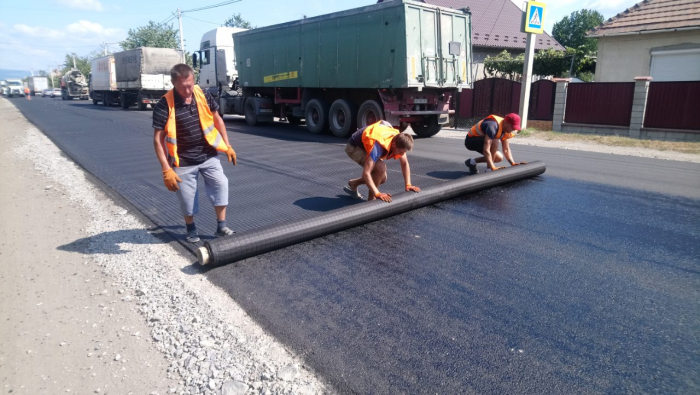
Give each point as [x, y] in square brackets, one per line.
[170, 179]
[384, 196]
[519, 163]
[412, 188]
[497, 168]
[231, 155]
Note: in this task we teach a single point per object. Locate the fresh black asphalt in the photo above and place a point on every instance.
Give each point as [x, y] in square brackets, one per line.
[585, 280]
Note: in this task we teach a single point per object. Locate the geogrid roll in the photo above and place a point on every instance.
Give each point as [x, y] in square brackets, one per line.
[259, 241]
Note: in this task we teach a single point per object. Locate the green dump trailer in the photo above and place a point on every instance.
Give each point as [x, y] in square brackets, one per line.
[399, 60]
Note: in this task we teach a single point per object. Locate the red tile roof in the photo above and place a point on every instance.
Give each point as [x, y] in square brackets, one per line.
[496, 23]
[651, 15]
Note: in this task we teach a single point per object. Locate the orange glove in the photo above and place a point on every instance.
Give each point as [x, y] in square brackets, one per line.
[231, 155]
[170, 179]
[412, 188]
[498, 168]
[518, 163]
[384, 196]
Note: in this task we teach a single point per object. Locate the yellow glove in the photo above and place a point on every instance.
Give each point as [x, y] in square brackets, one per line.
[170, 179]
[231, 155]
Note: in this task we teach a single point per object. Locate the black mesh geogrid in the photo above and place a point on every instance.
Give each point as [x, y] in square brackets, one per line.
[284, 173]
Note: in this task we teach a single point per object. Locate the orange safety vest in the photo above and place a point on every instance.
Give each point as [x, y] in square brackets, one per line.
[476, 129]
[379, 133]
[206, 119]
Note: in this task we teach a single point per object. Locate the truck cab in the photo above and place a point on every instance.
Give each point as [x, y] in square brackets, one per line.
[15, 87]
[216, 60]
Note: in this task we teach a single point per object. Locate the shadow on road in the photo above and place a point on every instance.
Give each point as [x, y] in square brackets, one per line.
[447, 175]
[324, 204]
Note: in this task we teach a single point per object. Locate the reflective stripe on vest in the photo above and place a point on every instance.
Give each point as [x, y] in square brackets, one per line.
[206, 120]
[476, 129]
[379, 133]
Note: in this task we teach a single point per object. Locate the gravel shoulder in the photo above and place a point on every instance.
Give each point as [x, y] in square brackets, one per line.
[95, 301]
[586, 146]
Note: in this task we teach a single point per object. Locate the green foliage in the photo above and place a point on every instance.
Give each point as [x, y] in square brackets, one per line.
[236, 20]
[152, 35]
[571, 30]
[548, 62]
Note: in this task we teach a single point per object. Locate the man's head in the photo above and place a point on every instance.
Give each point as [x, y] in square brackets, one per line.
[511, 123]
[401, 143]
[182, 77]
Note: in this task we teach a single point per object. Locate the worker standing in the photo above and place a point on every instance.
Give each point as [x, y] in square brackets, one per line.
[369, 147]
[188, 134]
[484, 137]
[27, 93]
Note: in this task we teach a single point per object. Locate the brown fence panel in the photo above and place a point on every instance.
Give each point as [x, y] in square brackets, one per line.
[542, 100]
[673, 105]
[599, 103]
[466, 100]
[495, 96]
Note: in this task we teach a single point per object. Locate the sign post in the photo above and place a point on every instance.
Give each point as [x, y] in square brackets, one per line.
[533, 23]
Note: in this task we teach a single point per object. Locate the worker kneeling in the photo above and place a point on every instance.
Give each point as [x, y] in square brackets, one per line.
[484, 137]
[369, 147]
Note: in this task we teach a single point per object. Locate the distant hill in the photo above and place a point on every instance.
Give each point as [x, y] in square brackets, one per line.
[5, 74]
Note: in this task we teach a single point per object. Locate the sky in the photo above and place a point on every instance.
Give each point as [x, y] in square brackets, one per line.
[37, 34]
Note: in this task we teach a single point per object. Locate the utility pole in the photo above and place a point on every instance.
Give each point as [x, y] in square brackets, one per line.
[104, 45]
[74, 66]
[182, 41]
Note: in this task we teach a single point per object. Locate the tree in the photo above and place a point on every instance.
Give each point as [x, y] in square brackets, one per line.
[236, 20]
[548, 62]
[571, 30]
[152, 35]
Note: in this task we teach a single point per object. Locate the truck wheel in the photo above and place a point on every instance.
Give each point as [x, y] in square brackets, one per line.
[317, 115]
[94, 100]
[124, 100]
[342, 117]
[428, 127]
[105, 99]
[249, 110]
[293, 120]
[370, 112]
[142, 106]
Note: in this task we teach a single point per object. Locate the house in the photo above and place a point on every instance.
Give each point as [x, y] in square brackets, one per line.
[495, 27]
[657, 38]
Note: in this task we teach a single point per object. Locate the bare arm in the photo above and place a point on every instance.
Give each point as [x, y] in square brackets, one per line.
[159, 145]
[406, 170]
[509, 154]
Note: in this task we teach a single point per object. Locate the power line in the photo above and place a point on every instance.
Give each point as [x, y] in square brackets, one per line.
[212, 6]
[213, 23]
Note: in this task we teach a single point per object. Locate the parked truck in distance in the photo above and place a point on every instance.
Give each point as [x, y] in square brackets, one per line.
[103, 81]
[143, 74]
[402, 61]
[74, 85]
[37, 85]
[14, 87]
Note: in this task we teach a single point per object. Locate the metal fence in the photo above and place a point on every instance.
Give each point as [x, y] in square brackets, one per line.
[673, 105]
[599, 103]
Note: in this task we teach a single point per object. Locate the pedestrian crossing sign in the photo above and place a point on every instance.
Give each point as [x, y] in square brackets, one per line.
[534, 17]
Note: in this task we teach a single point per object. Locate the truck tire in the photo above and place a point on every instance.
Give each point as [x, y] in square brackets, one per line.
[94, 100]
[124, 101]
[370, 112]
[342, 117]
[317, 116]
[142, 106]
[427, 128]
[105, 99]
[249, 111]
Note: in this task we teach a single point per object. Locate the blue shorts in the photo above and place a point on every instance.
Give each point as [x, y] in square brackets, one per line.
[215, 185]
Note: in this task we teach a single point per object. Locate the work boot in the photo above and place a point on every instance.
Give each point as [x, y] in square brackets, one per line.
[472, 168]
[226, 231]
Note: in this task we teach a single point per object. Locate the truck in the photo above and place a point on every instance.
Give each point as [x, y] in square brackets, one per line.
[143, 74]
[217, 68]
[74, 85]
[14, 87]
[401, 61]
[103, 81]
[37, 85]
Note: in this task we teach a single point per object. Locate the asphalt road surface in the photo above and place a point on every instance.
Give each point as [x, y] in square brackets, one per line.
[583, 280]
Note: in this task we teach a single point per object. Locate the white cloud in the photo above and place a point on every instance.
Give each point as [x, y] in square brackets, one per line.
[38, 31]
[84, 27]
[92, 5]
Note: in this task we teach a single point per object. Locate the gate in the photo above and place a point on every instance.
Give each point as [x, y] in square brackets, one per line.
[599, 103]
[542, 100]
[673, 105]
